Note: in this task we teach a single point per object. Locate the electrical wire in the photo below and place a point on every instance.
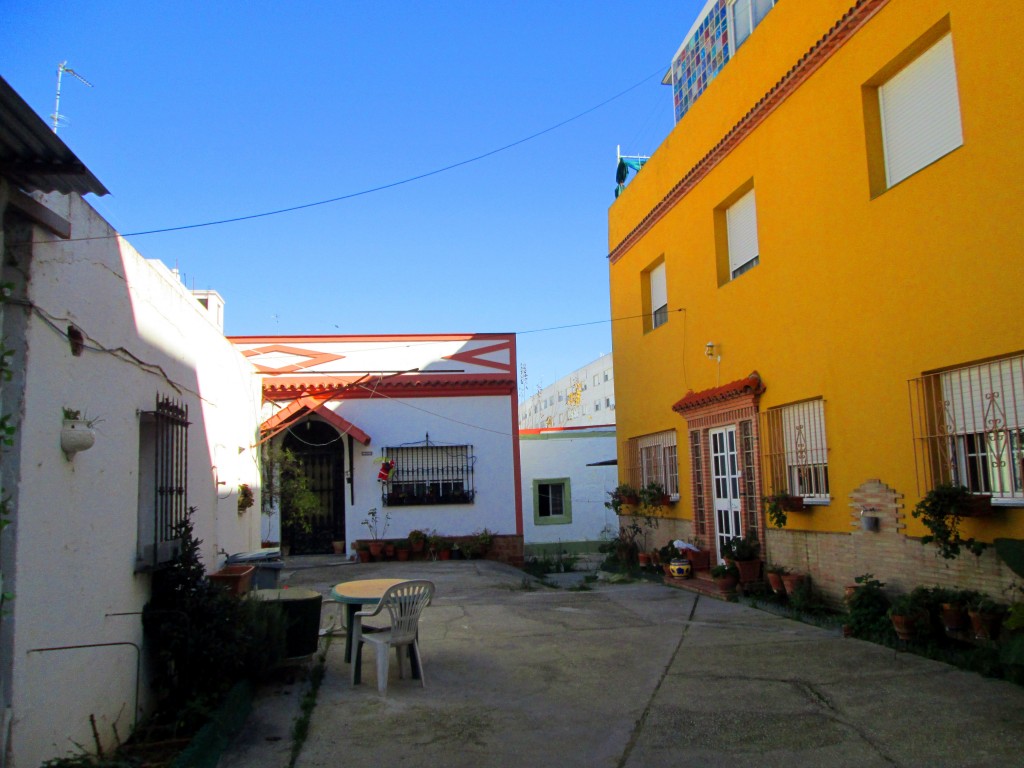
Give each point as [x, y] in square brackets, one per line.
[380, 188]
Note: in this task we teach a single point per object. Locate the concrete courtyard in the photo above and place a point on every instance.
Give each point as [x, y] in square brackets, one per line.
[625, 676]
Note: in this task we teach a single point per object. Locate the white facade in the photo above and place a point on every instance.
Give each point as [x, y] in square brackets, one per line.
[586, 397]
[70, 553]
[556, 460]
[409, 398]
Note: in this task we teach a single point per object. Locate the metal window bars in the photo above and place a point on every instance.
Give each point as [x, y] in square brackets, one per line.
[796, 449]
[429, 474]
[652, 459]
[170, 474]
[968, 427]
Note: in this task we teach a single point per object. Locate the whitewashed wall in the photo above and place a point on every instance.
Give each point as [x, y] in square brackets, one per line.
[560, 454]
[74, 560]
[483, 422]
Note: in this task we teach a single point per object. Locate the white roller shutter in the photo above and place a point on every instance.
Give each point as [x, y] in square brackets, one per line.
[659, 295]
[741, 219]
[920, 110]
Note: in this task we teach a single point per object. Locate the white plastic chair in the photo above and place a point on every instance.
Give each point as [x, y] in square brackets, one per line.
[404, 603]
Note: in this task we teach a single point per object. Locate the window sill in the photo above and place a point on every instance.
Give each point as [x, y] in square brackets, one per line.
[817, 502]
[1008, 503]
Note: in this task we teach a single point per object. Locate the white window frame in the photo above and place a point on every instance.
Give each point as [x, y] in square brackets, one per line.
[658, 286]
[919, 108]
[798, 450]
[655, 460]
[741, 225]
[748, 12]
[983, 419]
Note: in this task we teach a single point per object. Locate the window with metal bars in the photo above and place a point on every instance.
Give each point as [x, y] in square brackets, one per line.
[653, 459]
[429, 474]
[968, 426]
[796, 451]
[163, 480]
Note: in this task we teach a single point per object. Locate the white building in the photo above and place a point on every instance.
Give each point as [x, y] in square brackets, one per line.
[566, 481]
[442, 408]
[586, 397]
[567, 448]
[174, 408]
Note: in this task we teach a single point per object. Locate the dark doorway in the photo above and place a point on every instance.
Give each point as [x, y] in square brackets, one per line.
[320, 450]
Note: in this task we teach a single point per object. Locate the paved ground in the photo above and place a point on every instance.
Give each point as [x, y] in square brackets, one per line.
[625, 676]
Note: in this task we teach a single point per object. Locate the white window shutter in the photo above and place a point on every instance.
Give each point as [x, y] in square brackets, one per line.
[659, 288]
[920, 110]
[741, 221]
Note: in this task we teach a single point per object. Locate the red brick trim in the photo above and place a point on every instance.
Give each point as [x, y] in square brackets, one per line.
[807, 65]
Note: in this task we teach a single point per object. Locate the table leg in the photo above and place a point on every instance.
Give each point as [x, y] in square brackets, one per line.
[351, 609]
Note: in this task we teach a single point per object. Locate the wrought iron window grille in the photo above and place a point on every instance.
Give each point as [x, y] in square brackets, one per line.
[429, 473]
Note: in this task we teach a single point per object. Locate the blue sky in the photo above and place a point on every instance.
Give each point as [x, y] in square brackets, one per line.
[206, 111]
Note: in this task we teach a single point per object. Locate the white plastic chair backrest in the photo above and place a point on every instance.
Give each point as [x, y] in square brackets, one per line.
[405, 602]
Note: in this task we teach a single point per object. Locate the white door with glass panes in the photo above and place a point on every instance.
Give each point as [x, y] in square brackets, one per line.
[725, 480]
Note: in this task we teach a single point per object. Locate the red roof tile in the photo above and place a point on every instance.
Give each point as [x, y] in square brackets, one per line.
[752, 385]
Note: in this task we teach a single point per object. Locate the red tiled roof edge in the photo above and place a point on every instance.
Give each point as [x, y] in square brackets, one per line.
[806, 65]
[752, 385]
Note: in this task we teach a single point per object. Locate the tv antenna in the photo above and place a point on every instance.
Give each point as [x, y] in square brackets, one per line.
[58, 118]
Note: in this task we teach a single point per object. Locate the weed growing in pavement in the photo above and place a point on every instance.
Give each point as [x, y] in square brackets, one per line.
[300, 729]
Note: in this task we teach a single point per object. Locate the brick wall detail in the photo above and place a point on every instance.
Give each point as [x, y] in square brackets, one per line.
[893, 557]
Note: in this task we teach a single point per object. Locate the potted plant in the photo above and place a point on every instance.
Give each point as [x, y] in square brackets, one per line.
[377, 529]
[652, 496]
[776, 506]
[909, 618]
[726, 577]
[77, 433]
[246, 498]
[953, 605]
[363, 551]
[745, 552]
[941, 510]
[623, 495]
[986, 617]
[484, 541]
[417, 541]
[867, 609]
[403, 549]
[794, 582]
[699, 557]
[775, 574]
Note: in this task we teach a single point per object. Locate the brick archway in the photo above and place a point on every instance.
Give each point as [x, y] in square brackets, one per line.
[733, 404]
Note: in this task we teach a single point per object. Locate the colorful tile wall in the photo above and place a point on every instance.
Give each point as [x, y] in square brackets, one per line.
[702, 57]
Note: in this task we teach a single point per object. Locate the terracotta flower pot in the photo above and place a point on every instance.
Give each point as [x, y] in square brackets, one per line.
[792, 581]
[906, 624]
[750, 570]
[726, 584]
[776, 583]
[986, 626]
[376, 548]
[954, 617]
[700, 559]
[403, 554]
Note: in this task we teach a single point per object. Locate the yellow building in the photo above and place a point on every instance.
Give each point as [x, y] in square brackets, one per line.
[824, 258]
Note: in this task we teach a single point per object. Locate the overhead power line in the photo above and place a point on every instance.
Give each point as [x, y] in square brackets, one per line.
[382, 187]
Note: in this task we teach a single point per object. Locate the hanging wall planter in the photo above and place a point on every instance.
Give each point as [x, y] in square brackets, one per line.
[76, 435]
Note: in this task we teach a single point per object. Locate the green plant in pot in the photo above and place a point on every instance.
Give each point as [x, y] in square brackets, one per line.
[745, 551]
[867, 609]
[726, 577]
[652, 497]
[623, 495]
[942, 510]
[909, 617]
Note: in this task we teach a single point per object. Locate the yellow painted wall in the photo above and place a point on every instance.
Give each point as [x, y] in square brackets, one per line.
[853, 296]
